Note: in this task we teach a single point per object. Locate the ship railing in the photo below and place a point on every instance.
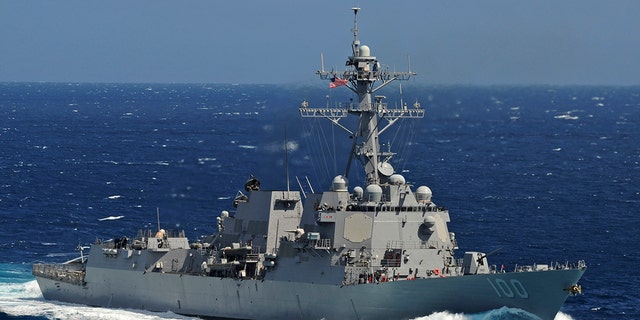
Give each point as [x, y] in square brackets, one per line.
[399, 244]
[254, 249]
[545, 267]
[371, 75]
[361, 264]
[317, 247]
[339, 112]
[169, 233]
[145, 234]
[252, 257]
[581, 264]
[390, 262]
[382, 206]
[395, 244]
[321, 244]
[403, 113]
[331, 113]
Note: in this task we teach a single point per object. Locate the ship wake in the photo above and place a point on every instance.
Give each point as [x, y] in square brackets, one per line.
[503, 313]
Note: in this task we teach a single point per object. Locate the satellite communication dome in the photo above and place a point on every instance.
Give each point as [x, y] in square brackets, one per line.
[385, 168]
[358, 191]
[429, 221]
[365, 51]
[423, 194]
[340, 183]
[373, 193]
[397, 179]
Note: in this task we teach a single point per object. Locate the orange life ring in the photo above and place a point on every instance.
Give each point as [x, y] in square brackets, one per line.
[436, 271]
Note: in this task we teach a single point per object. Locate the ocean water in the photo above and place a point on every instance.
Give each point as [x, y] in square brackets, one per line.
[544, 174]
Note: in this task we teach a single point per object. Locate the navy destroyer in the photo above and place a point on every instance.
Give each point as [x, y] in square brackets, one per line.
[382, 250]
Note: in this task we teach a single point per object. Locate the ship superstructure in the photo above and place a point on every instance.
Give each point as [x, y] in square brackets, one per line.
[381, 250]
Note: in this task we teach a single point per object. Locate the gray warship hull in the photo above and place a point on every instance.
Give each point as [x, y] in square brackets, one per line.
[538, 292]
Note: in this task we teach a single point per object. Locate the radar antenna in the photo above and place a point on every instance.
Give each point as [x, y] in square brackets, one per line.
[356, 42]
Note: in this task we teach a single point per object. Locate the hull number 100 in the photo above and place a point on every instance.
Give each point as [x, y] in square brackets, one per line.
[511, 289]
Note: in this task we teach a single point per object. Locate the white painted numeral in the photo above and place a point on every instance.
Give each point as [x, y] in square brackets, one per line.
[509, 289]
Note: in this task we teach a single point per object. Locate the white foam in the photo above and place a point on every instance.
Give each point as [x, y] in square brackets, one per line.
[445, 316]
[203, 160]
[566, 117]
[111, 218]
[563, 316]
[21, 290]
[502, 313]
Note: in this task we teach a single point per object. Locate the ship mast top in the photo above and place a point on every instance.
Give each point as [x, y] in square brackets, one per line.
[363, 72]
[356, 42]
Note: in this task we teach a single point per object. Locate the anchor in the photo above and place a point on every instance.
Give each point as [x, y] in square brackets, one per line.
[574, 290]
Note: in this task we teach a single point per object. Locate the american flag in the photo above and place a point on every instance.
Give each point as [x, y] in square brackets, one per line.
[337, 82]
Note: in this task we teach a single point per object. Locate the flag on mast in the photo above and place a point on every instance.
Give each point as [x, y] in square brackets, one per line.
[337, 82]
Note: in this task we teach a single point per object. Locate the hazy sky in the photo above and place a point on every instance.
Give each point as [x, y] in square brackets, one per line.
[280, 41]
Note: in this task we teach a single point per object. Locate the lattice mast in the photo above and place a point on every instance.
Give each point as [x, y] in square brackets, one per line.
[364, 76]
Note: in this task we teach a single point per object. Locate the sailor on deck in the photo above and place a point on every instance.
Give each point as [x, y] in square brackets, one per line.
[161, 234]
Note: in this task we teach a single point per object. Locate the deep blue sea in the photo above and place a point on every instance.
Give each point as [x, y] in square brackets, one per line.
[545, 173]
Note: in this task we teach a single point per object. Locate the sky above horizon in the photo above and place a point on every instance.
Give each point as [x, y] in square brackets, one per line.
[491, 42]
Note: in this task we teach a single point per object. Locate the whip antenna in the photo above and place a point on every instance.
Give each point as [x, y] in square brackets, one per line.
[286, 157]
